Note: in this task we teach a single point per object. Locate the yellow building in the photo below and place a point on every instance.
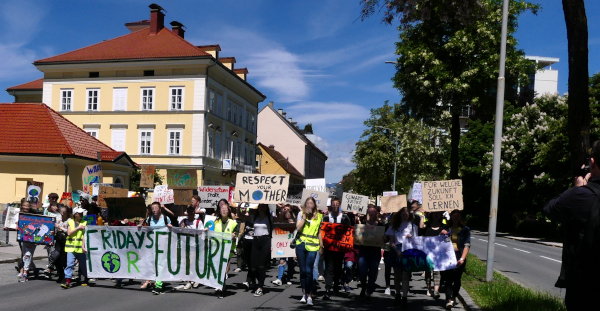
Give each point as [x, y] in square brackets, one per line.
[159, 98]
[38, 144]
[273, 162]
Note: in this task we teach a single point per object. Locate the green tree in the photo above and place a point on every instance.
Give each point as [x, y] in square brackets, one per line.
[447, 63]
[421, 155]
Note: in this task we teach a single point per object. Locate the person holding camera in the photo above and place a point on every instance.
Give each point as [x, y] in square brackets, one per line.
[577, 209]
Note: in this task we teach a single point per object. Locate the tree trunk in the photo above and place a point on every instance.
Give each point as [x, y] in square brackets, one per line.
[578, 124]
[454, 142]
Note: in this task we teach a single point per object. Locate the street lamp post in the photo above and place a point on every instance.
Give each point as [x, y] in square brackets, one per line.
[395, 154]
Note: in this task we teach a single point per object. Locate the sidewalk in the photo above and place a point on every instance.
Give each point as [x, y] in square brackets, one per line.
[11, 253]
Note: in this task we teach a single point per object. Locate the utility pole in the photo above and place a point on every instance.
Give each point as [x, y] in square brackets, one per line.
[397, 143]
[489, 275]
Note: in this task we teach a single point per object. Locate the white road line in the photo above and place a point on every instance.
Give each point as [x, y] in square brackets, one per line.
[551, 259]
[500, 244]
[520, 250]
[482, 240]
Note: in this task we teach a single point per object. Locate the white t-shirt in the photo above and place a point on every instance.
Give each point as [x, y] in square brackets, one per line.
[406, 227]
[261, 226]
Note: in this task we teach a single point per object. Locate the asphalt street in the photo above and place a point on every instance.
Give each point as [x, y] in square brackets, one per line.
[48, 295]
[532, 265]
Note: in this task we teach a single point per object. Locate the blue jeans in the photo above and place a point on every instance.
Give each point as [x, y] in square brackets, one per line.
[281, 269]
[306, 261]
[368, 267]
[71, 257]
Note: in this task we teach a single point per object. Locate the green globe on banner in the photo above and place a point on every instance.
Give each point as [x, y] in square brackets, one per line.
[111, 262]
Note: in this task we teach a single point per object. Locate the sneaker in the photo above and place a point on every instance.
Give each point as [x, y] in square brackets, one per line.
[388, 291]
[321, 278]
[258, 293]
[449, 304]
[84, 283]
[188, 285]
[347, 288]
[66, 284]
[428, 293]
[157, 291]
[237, 270]
[309, 301]
[195, 284]
[303, 299]
[289, 283]
[436, 295]
[23, 277]
[277, 282]
[246, 285]
[219, 293]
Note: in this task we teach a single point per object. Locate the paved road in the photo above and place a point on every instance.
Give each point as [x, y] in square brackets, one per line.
[47, 295]
[532, 265]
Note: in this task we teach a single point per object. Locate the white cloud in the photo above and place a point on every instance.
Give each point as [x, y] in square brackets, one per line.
[339, 161]
[328, 18]
[328, 113]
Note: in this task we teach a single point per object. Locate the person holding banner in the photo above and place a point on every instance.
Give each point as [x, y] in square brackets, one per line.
[156, 219]
[225, 223]
[27, 248]
[369, 257]
[261, 223]
[75, 248]
[433, 227]
[402, 227]
[308, 242]
[460, 235]
[334, 261]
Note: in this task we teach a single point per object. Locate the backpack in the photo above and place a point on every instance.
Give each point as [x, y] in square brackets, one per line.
[164, 219]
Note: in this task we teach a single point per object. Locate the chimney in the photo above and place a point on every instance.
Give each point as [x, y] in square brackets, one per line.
[283, 113]
[157, 18]
[228, 62]
[280, 111]
[213, 49]
[272, 146]
[139, 25]
[242, 73]
[290, 120]
[177, 28]
[270, 104]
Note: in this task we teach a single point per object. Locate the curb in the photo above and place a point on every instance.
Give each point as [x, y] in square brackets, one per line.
[17, 259]
[467, 301]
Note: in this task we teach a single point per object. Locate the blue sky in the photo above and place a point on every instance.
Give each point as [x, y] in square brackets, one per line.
[315, 59]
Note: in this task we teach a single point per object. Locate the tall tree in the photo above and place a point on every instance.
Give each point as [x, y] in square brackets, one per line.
[448, 56]
[578, 125]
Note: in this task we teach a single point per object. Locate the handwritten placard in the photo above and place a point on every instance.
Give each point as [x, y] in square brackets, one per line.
[211, 195]
[354, 203]
[444, 195]
[392, 204]
[316, 184]
[147, 176]
[110, 192]
[320, 198]
[164, 195]
[92, 174]
[182, 178]
[283, 236]
[416, 192]
[337, 237]
[260, 188]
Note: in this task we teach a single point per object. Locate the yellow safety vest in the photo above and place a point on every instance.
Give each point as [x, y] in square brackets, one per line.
[229, 227]
[310, 234]
[74, 243]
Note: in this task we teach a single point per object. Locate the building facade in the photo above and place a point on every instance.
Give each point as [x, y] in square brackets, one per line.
[158, 97]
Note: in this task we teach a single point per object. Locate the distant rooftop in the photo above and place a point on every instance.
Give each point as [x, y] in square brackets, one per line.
[543, 61]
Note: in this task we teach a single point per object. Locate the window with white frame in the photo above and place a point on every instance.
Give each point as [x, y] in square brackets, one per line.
[66, 99]
[145, 142]
[118, 139]
[174, 142]
[147, 98]
[93, 99]
[92, 132]
[176, 98]
[120, 99]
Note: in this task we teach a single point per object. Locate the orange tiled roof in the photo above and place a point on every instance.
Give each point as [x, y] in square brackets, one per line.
[31, 85]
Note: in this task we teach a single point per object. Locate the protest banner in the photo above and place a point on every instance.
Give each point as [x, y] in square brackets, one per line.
[182, 196]
[283, 236]
[416, 192]
[354, 203]
[439, 250]
[317, 184]
[147, 176]
[369, 235]
[389, 193]
[182, 178]
[211, 195]
[258, 188]
[34, 193]
[92, 174]
[392, 204]
[36, 229]
[165, 254]
[164, 195]
[12, 217]
[105, 192]
[320, 198]
[444, 195]
[337, 237]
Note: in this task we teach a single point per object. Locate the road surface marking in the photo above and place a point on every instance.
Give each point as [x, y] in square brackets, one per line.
[551, 259]
[500, 244]
[520, 250]
[482, 240]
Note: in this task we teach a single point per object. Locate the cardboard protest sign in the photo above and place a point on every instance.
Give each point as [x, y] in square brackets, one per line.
[34, 193]
[92, 174]
[320, 198]
[392, 204]
[439, 250]
[182, 178]
[211, 195]
[354, 203]
[35, 229]
[317, 184]
[416, 192]
[166, 254]
[147, 176]
[281, 241]
[337, 237]
[368, 235]
[105, 192]
[164, 195]
[182, 196]
[444, 195]
[389, 193]
[294, 199]
[258, 188]
[12, 217]
[209, 222]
